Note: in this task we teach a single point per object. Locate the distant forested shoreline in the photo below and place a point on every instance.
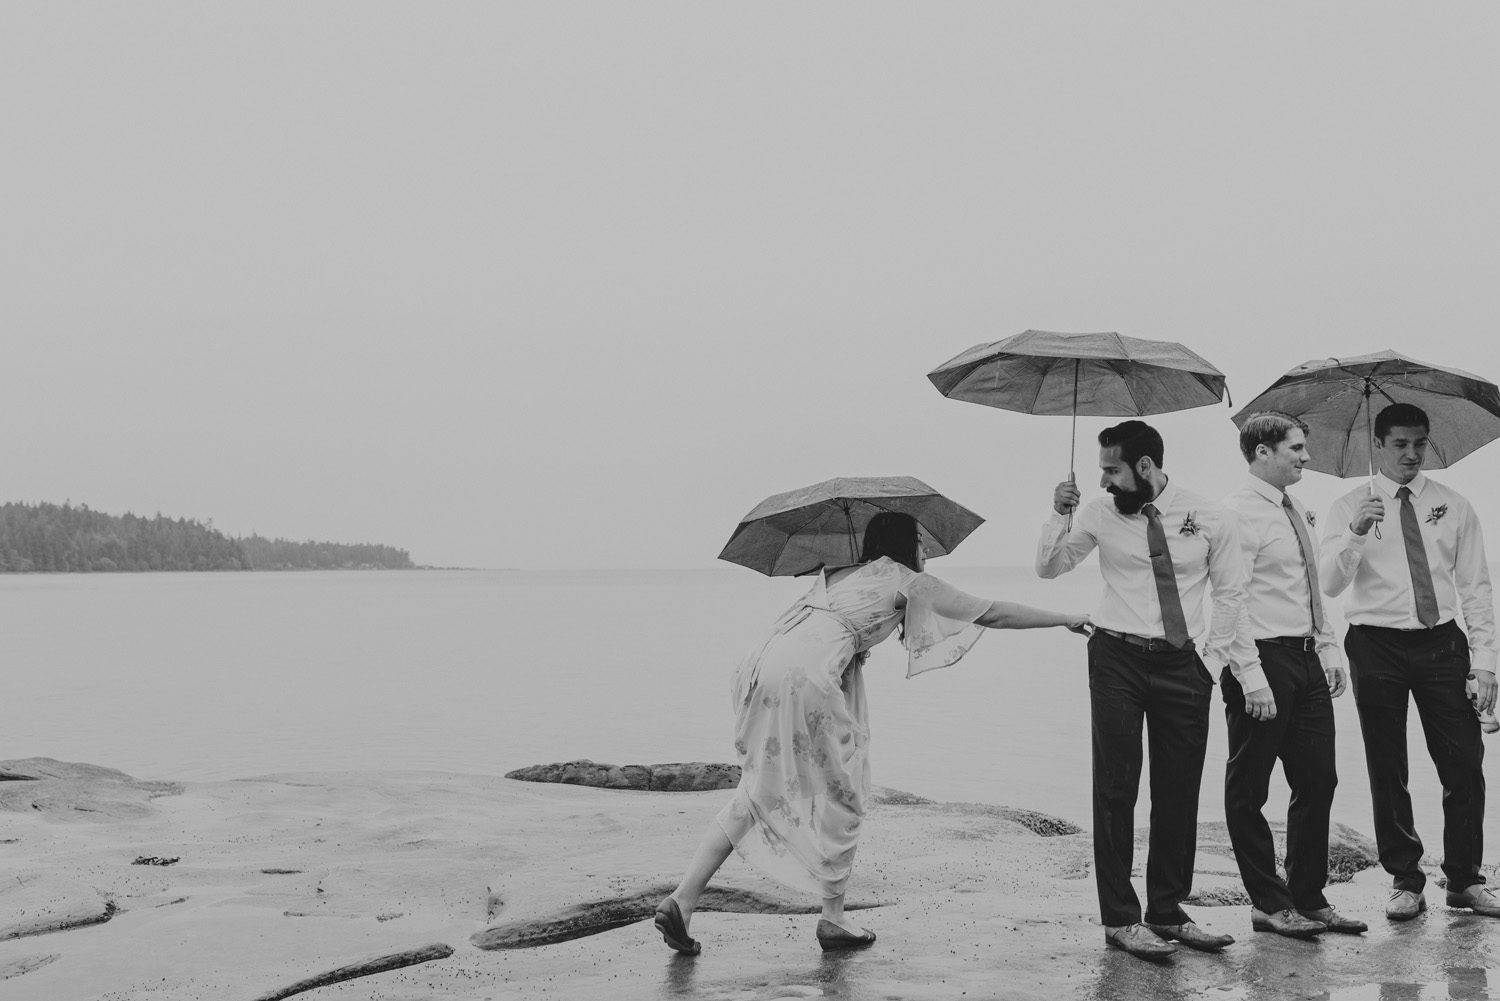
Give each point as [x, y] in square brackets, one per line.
[61, 538]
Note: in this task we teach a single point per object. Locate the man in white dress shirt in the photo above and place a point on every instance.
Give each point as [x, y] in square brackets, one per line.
[1290, 718]
[1162, 550]
[1407, 586]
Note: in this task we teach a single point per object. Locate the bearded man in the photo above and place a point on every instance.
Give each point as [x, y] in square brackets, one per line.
[1162, 550]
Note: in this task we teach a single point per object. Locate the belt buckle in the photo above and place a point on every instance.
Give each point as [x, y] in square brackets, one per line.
[1309, 644]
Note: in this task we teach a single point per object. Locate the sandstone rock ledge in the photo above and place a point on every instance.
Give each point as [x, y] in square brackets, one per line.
[690, 776]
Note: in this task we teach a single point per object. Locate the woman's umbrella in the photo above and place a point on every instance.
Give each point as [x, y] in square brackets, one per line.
[1097, 375]
[1337, 397]
[801, 531]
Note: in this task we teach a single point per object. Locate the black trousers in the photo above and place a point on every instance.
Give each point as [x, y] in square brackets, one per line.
[1168, 692]
[1301, 737]
[1429, 666]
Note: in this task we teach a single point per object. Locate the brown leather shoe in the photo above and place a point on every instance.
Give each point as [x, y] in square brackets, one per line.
[1288, 923]
[831, 937]
[1335, 921]
[1138, 940]
[1190, 935]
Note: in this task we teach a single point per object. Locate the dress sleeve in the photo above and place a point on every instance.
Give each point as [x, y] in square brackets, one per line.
[940, 626]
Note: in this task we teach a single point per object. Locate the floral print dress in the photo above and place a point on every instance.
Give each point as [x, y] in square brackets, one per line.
[802, 725]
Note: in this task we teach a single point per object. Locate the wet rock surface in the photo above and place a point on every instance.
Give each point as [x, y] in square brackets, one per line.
[547, 889]
[691, 776]
[74, 791]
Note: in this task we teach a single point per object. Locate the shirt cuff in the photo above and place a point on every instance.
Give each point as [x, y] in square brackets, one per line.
[1330, 657]
[1353, 540]
[1252, 679]
[1482, 660]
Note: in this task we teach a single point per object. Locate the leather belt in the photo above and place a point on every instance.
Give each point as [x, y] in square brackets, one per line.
[1154, 644]
[1307, 644]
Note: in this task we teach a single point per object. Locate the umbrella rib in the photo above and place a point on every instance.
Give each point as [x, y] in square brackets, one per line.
[1131, 391]
[1039, 384]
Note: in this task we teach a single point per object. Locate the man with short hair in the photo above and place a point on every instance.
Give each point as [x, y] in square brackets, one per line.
[1162, 549]
[1407, 586]
[1291, 717]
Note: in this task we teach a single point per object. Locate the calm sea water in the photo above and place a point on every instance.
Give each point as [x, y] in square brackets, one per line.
[216, 676]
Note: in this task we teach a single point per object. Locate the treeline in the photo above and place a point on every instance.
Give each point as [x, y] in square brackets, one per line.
[283, 554]
[61, 538]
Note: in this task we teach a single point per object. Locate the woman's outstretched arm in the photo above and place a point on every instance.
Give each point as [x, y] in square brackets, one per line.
[1009, 615]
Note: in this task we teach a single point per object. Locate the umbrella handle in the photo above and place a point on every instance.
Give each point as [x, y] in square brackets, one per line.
[1073, 442]
[1073, 480]
[1370, 447]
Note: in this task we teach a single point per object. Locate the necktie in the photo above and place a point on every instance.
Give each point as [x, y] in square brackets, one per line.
[1416, 561]
[1304, 543]
[1172, 619]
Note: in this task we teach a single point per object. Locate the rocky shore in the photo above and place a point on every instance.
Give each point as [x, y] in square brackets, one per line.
[406, 886]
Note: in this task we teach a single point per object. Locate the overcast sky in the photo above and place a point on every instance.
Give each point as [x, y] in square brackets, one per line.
[564, 284]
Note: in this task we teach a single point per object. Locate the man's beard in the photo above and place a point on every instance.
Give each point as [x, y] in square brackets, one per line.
[1131, 501]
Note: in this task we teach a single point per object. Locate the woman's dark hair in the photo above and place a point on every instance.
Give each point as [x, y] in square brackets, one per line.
[892, 534]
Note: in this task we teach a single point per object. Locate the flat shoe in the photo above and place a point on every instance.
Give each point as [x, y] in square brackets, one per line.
[831, 936]
[673, 929]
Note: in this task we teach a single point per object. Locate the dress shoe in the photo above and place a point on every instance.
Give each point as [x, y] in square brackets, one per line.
[1138, 940]
[1478, 898]
[831, 936]
[1335, 921]
[1405, 905]
[1190, 935]
[1287, 922]
[673, 929]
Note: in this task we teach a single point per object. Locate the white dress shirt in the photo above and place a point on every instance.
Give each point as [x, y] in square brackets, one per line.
[1277, 598]
[1203, 541]
[1382, 594]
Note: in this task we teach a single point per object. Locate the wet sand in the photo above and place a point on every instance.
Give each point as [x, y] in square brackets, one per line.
[546, 891]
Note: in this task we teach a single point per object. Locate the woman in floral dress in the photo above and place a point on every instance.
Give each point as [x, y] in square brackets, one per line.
[802, 725]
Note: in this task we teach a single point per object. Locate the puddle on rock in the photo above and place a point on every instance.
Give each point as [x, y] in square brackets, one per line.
[1460, 985]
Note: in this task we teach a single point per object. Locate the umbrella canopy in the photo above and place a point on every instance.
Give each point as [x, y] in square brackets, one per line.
[798, 532]
[1337, 399]
[1097, 375]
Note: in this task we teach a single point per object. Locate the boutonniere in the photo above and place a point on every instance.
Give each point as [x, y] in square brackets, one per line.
[1189, 525]
[1436, 514]
[1312, 519]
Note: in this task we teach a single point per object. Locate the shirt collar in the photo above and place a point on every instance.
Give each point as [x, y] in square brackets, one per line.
[1389, 486]
[1163, 500]
[1260, 486]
